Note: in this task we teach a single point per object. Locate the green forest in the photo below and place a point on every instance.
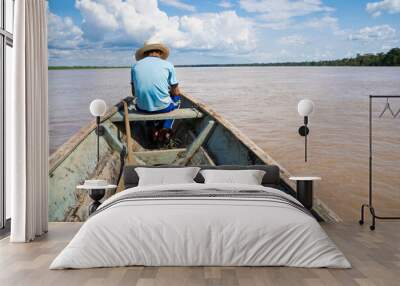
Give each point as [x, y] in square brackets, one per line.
[391, 58]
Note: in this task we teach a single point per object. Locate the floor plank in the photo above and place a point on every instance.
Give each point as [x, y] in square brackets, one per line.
[375, 257]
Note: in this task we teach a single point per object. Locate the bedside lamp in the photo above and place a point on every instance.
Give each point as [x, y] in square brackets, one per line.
[98, 108]
[305, 108]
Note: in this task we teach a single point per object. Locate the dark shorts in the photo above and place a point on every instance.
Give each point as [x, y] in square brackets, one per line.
[169, 122]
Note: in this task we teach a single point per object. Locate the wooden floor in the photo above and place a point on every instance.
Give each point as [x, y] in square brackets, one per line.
[375, 257]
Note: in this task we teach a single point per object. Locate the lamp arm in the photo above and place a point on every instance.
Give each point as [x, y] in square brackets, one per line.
[305, 138]
[98, 137]
[305, 148]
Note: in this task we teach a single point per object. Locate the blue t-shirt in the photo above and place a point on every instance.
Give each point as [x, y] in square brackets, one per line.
[152, 78]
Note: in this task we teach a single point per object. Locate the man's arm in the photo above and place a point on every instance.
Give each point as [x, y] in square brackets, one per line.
[173, 82]
[175, 90]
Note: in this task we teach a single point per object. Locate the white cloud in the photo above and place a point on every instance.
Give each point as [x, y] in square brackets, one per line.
[179, 4]
[225, 4]
[293, 40]
[97, 19]
[225, 30]
[280, 10]
[326, 21]
[278, 25]
[63, 33]
[390, 6]
[132, 22]
[375, 33]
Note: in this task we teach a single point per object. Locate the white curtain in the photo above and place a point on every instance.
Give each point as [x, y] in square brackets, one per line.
[27, 123]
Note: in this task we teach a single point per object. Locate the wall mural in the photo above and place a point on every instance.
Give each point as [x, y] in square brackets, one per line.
[193, 83]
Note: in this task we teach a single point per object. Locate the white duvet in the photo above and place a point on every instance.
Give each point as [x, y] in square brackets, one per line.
[200, 231]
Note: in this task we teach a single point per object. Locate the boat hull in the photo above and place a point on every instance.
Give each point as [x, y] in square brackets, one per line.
[211, 139]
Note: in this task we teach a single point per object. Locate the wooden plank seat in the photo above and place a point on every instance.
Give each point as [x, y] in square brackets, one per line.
[182, 113]
[156, 157]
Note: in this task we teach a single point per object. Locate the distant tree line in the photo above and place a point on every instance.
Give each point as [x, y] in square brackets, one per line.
[391, 58]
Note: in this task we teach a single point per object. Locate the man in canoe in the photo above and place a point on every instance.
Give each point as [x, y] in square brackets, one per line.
[155, 86]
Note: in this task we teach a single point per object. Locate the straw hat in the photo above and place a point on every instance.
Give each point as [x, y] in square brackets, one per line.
[151, 47]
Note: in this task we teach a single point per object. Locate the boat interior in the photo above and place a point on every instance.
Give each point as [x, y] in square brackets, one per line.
[202, 137]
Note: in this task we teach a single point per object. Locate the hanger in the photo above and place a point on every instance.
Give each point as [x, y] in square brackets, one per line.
[387, 107]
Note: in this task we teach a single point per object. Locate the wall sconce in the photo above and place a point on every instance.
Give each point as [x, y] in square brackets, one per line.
[305, 108]
[98, 107]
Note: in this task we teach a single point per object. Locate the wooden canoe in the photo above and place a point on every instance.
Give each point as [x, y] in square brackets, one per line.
[203, 137]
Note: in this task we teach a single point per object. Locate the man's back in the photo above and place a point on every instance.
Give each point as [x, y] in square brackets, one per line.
[152, 78]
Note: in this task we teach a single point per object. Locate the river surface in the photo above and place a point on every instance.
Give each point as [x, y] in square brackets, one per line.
[262, 102]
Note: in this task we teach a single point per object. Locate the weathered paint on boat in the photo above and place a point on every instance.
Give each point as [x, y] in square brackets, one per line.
[72, 163]
[205, 138]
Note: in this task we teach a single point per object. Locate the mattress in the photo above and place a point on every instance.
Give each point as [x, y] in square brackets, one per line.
[201, 225]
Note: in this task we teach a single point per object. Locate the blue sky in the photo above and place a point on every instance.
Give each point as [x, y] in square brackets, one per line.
[107, 32]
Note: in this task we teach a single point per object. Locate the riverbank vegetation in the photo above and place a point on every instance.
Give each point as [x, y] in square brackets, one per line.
[391, 58]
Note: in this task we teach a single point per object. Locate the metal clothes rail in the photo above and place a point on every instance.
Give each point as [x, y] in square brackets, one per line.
[370, 191]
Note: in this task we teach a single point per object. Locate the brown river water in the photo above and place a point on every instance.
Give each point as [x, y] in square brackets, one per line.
[262, 103]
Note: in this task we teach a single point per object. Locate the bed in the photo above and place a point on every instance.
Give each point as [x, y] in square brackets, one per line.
[201, 224]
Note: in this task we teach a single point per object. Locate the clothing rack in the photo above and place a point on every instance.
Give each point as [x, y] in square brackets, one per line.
[370, 201]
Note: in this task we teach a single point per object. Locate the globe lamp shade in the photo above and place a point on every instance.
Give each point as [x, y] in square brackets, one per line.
[305, 107]
[98, 107]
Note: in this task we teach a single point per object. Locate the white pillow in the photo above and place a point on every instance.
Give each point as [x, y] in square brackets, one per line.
[247, 177]
[166, 176]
